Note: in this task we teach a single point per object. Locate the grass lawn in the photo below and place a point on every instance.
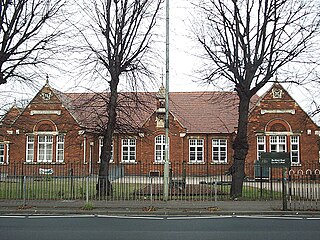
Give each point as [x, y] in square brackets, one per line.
[50, 188]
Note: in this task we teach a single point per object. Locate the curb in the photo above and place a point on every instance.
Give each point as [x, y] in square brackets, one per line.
[152, 212]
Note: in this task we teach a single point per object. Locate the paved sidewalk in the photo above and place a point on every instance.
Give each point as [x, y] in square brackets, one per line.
[148, 208]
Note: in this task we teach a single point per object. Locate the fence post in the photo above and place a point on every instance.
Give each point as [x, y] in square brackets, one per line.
[284, 189]
[215, 192]
[71, 181]
[261, 186]
[24, 191]
[151, 189]
[87, 189]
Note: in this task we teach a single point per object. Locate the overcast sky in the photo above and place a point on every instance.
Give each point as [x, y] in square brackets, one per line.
[183, 63]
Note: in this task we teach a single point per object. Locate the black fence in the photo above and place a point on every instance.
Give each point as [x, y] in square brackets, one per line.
[188, 182]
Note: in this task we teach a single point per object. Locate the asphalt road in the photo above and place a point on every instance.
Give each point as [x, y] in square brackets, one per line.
[201, 228]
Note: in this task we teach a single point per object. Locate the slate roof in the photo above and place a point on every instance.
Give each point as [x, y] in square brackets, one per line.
[205, 112]
[198, 112]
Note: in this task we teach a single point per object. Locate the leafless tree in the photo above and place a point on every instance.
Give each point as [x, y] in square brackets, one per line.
[28, 29]
[247, 42]
[117, 40]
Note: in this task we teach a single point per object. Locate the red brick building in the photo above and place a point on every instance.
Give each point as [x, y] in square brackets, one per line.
[58, 129]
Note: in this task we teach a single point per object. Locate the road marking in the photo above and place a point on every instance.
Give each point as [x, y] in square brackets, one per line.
[13, 216]
[61, 216]
[284, 217]
[130, 217]
[198, 217]
[288, 217]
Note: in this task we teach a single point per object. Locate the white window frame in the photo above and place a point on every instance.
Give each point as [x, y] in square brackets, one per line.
[196, 144]
[130, 144]
[60, 148]
[261, 142]
[160, 142]
[30, 148]
[100, 148]
[276, 140]
[2, 153]
[47, 157]
[295, 141]
[217, 148]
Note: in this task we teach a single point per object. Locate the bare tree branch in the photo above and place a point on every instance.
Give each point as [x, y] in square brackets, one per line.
[120, 48]
[25, 34]
[247, 42]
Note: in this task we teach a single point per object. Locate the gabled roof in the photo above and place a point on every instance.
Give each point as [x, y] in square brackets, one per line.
[12, 114]
[286, 100]
[198, 112]
[90, 109]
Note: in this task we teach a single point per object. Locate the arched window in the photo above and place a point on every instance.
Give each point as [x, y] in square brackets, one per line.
[279, 137]
[160, 148]
[45, 143]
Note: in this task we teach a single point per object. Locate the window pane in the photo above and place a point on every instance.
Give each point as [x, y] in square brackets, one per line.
[282, 148]
[219, 150]
[60, 148]
[45, 148]
[282, 139]
[129, 149]
[30, 149]
[160, 146]
[223, 142]
[1, 153]
[196, 150]
[261, 139]
[41, 138]
[294, 149]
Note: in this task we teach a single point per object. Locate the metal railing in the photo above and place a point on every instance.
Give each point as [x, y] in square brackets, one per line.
[188, 182]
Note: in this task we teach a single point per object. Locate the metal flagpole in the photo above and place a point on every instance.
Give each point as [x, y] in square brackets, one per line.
[166, 162]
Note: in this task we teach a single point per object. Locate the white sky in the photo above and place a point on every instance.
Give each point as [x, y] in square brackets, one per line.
[183, 63]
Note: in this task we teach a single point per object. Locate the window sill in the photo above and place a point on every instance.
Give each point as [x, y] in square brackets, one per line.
[4, 164]
[296, 165]
[44, 163]
[196, 163]
[158, 163]
[129, 163]
[219, 163]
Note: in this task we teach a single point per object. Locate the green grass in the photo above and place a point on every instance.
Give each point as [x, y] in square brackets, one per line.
[78, 188]
[88, 206]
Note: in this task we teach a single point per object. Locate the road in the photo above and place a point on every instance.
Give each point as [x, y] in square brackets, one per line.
[138, 228]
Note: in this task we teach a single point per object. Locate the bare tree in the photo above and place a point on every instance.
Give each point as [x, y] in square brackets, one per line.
[247, 42]
[27, 28]
[118, 42]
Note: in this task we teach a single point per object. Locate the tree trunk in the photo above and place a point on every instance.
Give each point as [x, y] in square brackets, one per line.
[240, 147]
[104, 187]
